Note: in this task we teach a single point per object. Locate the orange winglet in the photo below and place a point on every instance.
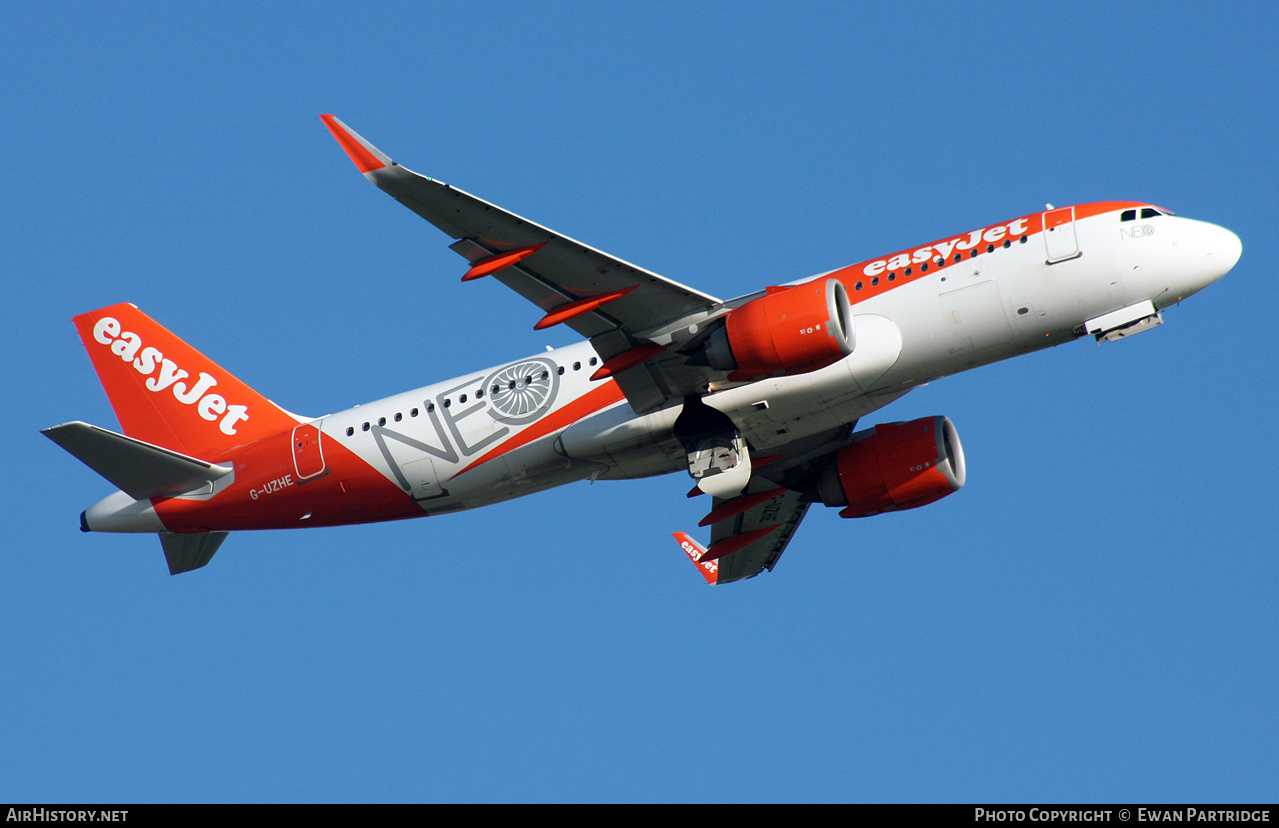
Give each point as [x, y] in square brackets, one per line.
[365, 161]
[501, 261]
[737, 505]
[572, 310]
[696, 553]
[728, 545]
[627, 359]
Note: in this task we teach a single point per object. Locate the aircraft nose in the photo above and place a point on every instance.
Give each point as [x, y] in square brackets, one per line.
[1223, 251]
[1200, 254]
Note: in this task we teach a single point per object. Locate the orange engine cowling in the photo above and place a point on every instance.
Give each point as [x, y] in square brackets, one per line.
[789, 330]
[896, 466]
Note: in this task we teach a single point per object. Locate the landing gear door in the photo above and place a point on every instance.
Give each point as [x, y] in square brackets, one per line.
[721, 464]
[1060, 240]
[308, 451]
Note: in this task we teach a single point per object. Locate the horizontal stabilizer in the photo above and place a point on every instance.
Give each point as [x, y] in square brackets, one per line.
[140, 470]
[187, 552]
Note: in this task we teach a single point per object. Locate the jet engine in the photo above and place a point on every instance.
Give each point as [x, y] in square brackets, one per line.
[895, 466]
[788, 330]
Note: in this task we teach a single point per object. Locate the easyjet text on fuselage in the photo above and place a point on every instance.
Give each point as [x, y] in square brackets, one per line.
[942, 249]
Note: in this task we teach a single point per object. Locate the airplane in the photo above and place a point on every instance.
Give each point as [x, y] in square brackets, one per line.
[757, 398]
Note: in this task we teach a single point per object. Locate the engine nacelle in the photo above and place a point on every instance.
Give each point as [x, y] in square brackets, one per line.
[789, 330]
[896, 466]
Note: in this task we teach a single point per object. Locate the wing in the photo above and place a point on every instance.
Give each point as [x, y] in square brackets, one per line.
[617, 305]
[748, 542]
[750, 532]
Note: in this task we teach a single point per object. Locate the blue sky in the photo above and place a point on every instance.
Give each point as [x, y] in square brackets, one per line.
[1092, 618]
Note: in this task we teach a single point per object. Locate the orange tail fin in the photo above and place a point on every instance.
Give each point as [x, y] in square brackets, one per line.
[167, 393]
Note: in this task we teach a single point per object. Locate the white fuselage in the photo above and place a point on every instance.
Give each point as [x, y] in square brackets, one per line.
[534, 424]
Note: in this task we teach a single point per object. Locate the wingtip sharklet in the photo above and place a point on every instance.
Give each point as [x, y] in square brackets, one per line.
[365, 156]
[694, 550]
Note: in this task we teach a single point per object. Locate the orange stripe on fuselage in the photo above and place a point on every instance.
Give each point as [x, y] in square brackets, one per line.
[267, 493]
[563, 417]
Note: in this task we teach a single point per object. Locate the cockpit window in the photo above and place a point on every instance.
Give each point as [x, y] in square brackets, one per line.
[1146, 212]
